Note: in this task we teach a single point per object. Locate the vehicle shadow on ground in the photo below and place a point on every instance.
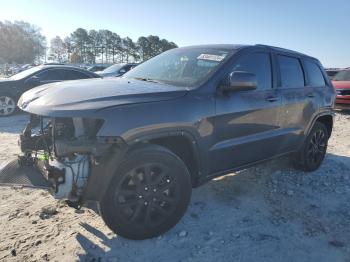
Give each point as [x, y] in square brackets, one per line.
[341, 160]
[235, 199]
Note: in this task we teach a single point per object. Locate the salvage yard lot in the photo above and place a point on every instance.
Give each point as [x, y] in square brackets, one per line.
[267, 213]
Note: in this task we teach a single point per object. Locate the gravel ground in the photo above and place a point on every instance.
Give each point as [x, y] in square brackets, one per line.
[267, 213]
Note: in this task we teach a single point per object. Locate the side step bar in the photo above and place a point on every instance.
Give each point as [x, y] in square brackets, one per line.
[14, 174]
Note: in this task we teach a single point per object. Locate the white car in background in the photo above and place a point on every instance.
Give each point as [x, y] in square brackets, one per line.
[116, 70]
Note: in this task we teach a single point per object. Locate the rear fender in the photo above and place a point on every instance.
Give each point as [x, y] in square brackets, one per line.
[312, 123]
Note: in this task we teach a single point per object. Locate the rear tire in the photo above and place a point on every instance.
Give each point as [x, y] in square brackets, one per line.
[311, 155]
[148, 195]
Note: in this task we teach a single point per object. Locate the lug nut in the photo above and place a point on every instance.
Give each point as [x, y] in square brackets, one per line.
[154, 190]
[168, 180]
[146, 188]
[140, 196]
[146, 203]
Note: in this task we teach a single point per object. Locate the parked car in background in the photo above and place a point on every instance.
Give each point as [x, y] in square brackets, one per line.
[54, 63]
[116, 70]
[24, 67]
[341, 83]
[138, 144]
[331, 72]
[13, 87]
[96, 68]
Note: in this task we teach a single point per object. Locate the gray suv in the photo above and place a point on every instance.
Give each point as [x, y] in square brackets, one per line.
[138, 144]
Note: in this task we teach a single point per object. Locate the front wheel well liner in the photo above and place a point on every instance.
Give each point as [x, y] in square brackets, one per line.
[183, 147]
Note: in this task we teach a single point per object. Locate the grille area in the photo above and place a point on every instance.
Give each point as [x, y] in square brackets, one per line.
[343, 92]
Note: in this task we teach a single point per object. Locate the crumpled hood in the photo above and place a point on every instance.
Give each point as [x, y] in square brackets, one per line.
[72, 98]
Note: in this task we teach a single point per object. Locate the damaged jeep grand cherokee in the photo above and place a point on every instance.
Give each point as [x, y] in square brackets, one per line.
[138, 144]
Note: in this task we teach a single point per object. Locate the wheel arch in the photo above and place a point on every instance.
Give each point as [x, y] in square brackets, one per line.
[103, 172]
[325, 118]
[182, 143]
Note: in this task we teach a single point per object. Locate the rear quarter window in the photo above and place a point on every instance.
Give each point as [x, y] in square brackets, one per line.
[314, 74]
[292, 75]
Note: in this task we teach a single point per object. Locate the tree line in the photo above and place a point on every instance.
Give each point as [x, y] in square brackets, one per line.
[23, 43]
[105, 46]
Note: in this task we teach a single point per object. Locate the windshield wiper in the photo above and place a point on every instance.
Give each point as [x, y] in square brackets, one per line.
[147, 79]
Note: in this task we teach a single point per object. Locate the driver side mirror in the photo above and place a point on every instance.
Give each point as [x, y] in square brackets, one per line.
[240, 81]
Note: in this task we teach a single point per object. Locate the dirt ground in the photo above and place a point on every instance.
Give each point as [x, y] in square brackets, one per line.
[267, 213]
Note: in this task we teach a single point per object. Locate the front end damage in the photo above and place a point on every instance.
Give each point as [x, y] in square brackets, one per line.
[66, 153]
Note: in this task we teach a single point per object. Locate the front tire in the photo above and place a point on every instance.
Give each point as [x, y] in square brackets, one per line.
[148, 195]
[311, 155]
[7, 105]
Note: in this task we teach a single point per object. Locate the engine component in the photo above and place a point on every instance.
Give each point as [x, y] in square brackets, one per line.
[69, 176]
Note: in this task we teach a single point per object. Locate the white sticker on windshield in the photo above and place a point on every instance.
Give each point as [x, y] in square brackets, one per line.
[217, 58]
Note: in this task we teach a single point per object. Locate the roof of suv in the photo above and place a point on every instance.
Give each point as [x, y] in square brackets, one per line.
[219, 46]
[280, 49]
[237, 46]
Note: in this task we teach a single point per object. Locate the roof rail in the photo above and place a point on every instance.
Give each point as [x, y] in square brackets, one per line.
[281, 49]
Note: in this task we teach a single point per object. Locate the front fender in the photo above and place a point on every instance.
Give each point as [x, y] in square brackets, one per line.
[189, 114]
[191, 117]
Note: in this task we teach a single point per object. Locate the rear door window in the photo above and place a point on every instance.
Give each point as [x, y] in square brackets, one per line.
[314, 74]
[74, 75]
[292, 75]
[258, 64]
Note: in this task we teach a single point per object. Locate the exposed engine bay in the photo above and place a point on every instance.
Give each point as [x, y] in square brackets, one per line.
[64, 150]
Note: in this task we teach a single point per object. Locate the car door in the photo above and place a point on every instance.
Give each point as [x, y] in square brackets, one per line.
[246, 122]
[297, 99]
[44, 77]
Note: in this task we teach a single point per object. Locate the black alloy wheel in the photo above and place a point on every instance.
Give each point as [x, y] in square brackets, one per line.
[148, 194]
[314, 149]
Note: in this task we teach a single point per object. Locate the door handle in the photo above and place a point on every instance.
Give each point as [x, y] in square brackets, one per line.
[271, 98]
[310, 95]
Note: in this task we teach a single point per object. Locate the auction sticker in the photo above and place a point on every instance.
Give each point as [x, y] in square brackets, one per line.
[217, 58]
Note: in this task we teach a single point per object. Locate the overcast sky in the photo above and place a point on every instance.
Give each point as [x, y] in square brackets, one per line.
[319, 28]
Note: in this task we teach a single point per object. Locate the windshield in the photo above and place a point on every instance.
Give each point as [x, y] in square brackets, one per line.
[342, 76]
[186, 67]
[113, 68]
[26, 73]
